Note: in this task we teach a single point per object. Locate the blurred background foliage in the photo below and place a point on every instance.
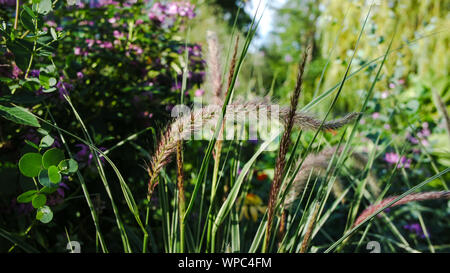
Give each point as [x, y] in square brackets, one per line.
[422, 37]
[124, 91]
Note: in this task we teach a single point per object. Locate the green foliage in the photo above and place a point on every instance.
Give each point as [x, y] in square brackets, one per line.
[83, 86]
[44, 214]
[52, 157]
[30, 164]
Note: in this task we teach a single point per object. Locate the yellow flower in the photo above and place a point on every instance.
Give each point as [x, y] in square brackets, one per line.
[253, 205]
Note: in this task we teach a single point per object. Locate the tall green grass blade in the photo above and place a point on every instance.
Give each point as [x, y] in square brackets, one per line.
[413, 189]
[17, 241]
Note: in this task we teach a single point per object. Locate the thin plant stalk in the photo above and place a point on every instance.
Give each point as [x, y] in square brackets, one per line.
[181, 199]
[218, 150]
[102, 174]
[85, 192]
[281, 159]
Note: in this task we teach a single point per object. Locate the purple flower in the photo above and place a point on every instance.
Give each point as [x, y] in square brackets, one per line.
[22, 208]
[83, 152]
[405, 162]
[391, 158]
[34, 73]
[375, 115]
[101, 3]
[63, 88]
[80, 75]
[415, 228]
[8, 2]
[161, 12]
[32, 136]
[16, 71]
[85, 156]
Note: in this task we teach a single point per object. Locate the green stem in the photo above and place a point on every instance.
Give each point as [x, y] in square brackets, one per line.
[24, 234]
[85, 191]
[211, 216]
[101, 171]
[147, 214]
[16, 20]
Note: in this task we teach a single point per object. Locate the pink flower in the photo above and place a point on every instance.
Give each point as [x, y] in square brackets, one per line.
[172, 9]
[391, 158]
[117, 34]
[387, 126]
[375, 115]
[160, 12]
[51, 23]
[77, 51]
[384, 95]
[90, 42]
[199, 92]
[392, 85]
[137, 49]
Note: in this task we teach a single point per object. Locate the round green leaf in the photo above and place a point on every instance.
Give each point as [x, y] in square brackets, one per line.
[44, 179]
[44, 214]
[52, 157]
[68, 166]
[39, 200]
[30, 164]
[46, 141]
[26, 197]
[48, 190]
[54, 175]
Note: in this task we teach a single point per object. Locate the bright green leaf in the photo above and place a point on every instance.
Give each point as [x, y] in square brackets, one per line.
[19, 115]
[48, 190]
[32, 144]
[52, 157]
[68, 166]
[39, 200]
[26, 197]
[44, 179]
[46, 141]
[44, 214]
[54, 175]
[30, 164]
